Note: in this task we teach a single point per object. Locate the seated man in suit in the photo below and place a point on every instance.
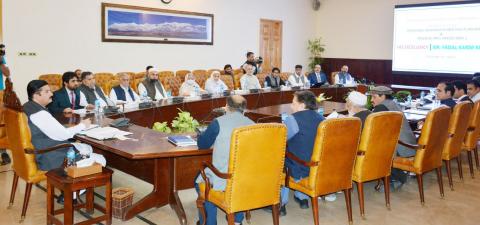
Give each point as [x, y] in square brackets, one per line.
[68, 98]
[344, 78]
[445, 94]
[249, 80]
[91, 91]
[317, 78]
[301, 133]
[273, 80]
[218, 135]
[122, 93]
[460, 94]
[46, 131]
[297, 79]
[151, 86]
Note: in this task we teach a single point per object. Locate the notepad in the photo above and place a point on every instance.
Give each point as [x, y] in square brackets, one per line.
[182, 140]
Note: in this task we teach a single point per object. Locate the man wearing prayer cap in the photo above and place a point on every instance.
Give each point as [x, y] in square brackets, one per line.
[357, 105]
[152, 86]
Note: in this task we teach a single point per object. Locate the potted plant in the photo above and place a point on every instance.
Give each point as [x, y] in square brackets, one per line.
[316, 49]
[183, 123]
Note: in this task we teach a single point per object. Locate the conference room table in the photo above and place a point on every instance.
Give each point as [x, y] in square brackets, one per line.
[149, 156]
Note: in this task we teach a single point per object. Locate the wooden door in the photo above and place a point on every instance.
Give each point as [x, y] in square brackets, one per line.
[271, 44]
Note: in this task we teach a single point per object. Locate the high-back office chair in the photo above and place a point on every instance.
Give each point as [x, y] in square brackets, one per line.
[457, 129]
[429, 149]
[471, 138]
[332, 162]
[251, 182]
[375, 153]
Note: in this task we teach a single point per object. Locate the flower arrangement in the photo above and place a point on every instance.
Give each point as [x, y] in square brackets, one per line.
[322, 98]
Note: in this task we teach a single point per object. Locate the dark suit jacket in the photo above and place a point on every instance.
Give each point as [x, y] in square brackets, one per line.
[61, 101]
[465, 99]
[271, 84]
[448, 102]
[312, 78]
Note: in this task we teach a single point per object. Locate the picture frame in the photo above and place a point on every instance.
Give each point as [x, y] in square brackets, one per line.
[135, 24]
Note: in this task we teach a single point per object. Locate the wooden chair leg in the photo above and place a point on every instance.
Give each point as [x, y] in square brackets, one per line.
[440, 181]
[470, 163]
[276, 214]
[50, 202]
[201, 208]
[14, 189]
[460, 169]
[248, 216]
[315, 210]
[361, 200]
[386, 184]
[231, 218]
[420, 188]
[28, 190]
[475, 152]
[449, 173]
[348, 201]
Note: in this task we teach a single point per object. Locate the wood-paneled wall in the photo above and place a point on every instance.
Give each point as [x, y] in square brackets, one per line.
[380, 72]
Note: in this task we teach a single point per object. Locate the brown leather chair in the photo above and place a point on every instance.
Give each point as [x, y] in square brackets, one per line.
[284, 75]
[471, 138]
[237, 80]
[181, 74]
[227, 79]
[136, 82]
[261, 78]
[172, 84]
[53, 80]
[3, 132]
[332, 161]
[238, 71]
[166, 74]
[103, 81]
[457, 129]
[251, 182]
[375, 153]
[23, 153]
[429, 149]
[140, 75]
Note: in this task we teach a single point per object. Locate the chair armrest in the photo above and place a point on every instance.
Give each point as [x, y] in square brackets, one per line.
[53, 148]
[298, 160]
[215, 171]
[412, 146]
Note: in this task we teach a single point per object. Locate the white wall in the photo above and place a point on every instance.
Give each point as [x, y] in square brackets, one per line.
[359, 29]
[66, 34]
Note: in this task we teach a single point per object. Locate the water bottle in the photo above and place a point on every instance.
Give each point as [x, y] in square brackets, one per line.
[287, 84]
[320, 111]
[307, 84]
[71, 158]
[422, 95]
[197, 91]
[97, 106]
[144, 96]
[284, 116]
[409, 99]
[265, 84]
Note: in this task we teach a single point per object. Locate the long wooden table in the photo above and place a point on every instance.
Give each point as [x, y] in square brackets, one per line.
[169, 168]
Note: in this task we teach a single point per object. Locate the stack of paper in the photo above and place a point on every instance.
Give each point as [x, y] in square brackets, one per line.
[103, 133]
[182, 140]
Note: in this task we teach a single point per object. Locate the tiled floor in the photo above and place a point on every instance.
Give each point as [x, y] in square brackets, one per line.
[459, 207]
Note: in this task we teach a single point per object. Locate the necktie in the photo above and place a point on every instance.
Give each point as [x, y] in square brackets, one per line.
[73, 99]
